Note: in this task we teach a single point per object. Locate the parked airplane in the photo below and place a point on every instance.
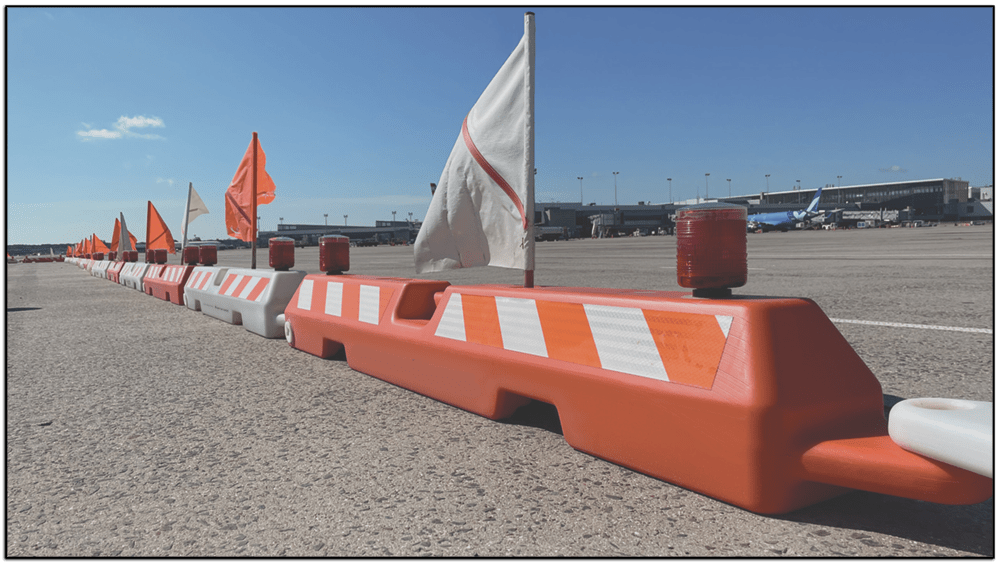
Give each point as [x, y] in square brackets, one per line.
[784, 220]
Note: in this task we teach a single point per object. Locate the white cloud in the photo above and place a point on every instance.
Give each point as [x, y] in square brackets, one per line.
[169, 181]
[123, 128]
[126, 123]
[100, 134]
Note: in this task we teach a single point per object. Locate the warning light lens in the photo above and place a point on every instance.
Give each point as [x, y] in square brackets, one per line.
[191, 255]
[160, 256]
[132, 256]
[281, 255]
[208, 255]
[113, 255]
[98, 256]
[334, 254]
[712, 246]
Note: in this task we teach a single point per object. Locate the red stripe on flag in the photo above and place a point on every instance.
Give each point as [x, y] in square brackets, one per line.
[492, 172]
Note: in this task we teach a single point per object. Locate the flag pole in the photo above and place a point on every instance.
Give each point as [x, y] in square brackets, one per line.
[529, 147]
[149, 214]
[184, 226]
[253, 205]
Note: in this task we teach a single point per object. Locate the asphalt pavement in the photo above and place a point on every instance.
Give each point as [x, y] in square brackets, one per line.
[136, 427]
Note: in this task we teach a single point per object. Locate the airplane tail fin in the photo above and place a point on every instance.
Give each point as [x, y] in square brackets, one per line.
[815, 202]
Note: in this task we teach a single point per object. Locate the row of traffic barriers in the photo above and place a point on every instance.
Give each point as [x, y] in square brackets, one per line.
[717, 393]
[254, 298]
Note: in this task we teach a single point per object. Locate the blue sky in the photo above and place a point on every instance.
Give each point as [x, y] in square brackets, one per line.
[357, 109]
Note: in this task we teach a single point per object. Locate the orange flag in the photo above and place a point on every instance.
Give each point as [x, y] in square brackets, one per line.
[69, 251]
[239, 195]
[157, 233]
[114, 238]
[99, 246]
[117, 245]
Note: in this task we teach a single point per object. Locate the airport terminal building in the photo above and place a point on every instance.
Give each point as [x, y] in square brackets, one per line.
[934, 200]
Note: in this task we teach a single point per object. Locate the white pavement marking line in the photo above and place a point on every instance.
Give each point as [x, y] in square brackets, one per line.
[914, 326]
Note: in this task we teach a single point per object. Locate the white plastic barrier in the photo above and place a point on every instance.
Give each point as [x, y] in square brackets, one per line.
[957, 432]
[255, 298]
[100, 268]
[132, 274]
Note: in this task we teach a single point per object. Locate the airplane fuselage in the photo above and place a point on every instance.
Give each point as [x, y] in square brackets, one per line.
[778, 220]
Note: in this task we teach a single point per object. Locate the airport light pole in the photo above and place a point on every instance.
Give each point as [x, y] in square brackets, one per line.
[345, 220]
[730, 181]
[838, 180]
[324, 219]
[393, 219]
[670, 183]
[616, 187]
[706, 185]
[768, 181]
[580, 178]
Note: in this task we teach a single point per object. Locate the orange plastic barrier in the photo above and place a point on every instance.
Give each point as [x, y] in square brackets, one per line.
[115, 270]
[759, 402]
[166, 281]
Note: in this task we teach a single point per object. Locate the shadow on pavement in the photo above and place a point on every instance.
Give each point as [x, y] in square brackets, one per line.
[17, 309]
[959, 527]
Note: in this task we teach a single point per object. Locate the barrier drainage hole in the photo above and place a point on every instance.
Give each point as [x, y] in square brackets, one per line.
[537, 414]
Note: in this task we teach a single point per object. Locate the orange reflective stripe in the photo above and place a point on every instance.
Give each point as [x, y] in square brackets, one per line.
[259, 289]
[567, 333]
[482, 324]
[243, 284]
[225, 285]
[690, 345]
[384, 295]
[350, 302]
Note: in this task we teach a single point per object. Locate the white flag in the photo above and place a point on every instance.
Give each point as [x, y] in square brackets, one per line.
[124, 241]
[195, 207]
[482, 212]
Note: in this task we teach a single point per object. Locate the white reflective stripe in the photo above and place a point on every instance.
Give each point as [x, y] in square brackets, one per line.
[249, 287]
[520, 328]
[305, 295]
[334, 298]
[207, 279]
[260, 296]
[232, 287]
[725, 322]
[452, 324]
[624, 342]
[368, 304]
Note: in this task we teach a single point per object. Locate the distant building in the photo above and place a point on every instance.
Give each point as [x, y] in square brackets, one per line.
[940, 199]
[382, 232]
